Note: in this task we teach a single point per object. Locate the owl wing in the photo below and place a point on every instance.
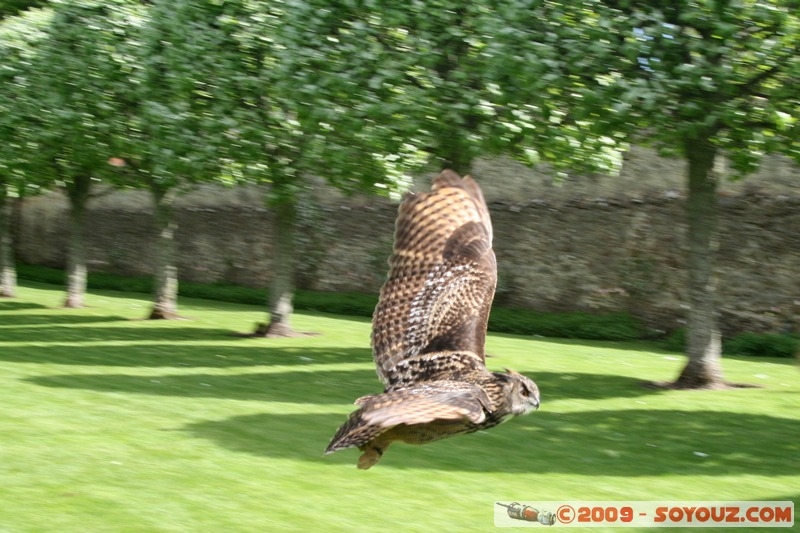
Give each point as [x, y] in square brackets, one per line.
[442, 277]
[446, 400]
[437, 400]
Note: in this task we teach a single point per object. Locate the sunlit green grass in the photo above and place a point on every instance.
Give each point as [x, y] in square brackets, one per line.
[112, 423]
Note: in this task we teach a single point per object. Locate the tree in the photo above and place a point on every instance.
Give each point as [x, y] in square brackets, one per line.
[72, 93]
[452, 82]
[297, 117]
[175, 123]
[363, 92]
[708, 80]
[18, 36]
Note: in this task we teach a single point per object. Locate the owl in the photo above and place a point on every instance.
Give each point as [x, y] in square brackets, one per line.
[429, 330]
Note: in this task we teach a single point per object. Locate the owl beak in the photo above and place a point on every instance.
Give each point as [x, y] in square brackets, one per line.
[534, 401]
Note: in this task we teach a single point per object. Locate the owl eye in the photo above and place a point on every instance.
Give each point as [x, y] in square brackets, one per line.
[525, 393]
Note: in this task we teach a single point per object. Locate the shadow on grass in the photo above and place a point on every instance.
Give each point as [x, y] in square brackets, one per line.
[13, 305]
[17, 322]
[328, 387]
[626, 345]
[626, 443]
[322, 387]
[134, 332]
[641, 346]
[154, 354]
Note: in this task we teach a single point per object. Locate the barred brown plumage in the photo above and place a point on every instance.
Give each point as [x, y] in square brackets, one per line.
[429, 329]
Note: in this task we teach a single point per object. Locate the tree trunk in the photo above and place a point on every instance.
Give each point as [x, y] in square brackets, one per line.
[282, 287]
[456, 159]
[703, 369]
[165, 288]
[8, 271]
[78, 192]
[454, 149]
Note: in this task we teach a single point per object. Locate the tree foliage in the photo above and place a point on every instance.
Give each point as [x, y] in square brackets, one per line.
[723, 69]
[11, 8]
[445, 82]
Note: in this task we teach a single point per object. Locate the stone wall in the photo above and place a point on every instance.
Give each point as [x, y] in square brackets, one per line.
[581, 243]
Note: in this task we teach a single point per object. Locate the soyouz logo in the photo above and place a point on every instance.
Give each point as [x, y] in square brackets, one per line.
[644, 514]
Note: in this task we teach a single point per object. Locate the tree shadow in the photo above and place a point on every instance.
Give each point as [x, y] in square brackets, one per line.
[12, 305]
[155, 354]
[134, 332]
[17, 320]
[624, 345]
[323, 387]
[573, 385]
[641, 346]
[603, 443]
[328, 387]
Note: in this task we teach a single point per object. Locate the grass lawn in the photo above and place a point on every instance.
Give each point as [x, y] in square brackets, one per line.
[113, 424]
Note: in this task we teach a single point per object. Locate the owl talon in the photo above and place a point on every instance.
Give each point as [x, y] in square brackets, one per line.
[370, 458]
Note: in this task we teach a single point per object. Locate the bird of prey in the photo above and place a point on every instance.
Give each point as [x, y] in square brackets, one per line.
[429, 329]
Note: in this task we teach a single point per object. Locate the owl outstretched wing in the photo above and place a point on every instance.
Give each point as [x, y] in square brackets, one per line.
[442, 277]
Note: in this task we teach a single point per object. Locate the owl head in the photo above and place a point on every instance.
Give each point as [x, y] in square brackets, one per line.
[522, 393]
